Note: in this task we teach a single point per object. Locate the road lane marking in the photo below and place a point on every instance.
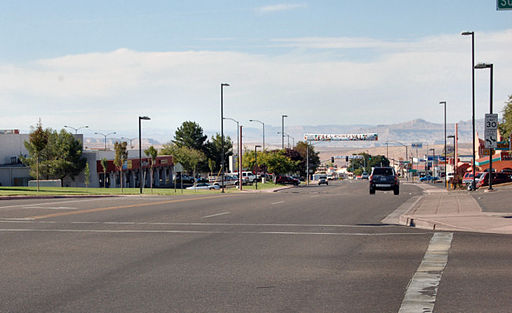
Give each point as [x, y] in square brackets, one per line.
[422, 289]
[170, 231]
[38, 217]
[278, 202]
[217, 214]
[56, 202]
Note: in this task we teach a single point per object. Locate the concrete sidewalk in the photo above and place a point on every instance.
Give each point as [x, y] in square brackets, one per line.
[438, 209]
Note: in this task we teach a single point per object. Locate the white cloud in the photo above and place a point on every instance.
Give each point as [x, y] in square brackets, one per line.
[405, 80]
[280, 7]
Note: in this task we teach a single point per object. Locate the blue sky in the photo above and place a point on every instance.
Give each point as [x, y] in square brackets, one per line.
[320, 62]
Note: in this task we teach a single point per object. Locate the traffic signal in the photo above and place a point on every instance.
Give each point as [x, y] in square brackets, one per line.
[346, 159]
[332, 159]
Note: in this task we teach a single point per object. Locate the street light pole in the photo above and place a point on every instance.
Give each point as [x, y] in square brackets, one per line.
[105, 135]
[473, 101]
[454, 158]
[263, 131]
[222, 85]
[237, 133]
[491, 152]
[445, 180]
[256, 163]
[282, 130]
[76, 129]
[140, 151]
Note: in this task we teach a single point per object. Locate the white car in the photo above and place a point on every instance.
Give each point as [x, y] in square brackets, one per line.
[204, 186]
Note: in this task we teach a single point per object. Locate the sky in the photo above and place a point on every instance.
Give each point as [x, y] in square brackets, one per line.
[323, 62]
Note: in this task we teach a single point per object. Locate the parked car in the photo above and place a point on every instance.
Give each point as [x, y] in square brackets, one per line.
[468, 177]
[497, 178]
[365, 175]
[429, 178]
[203, 186]
[384, 178]
[286, 180]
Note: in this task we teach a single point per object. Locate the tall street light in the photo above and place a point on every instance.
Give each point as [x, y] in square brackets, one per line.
[489, 66]
[473, 100]
[105, 135]
[140, 151]
[263, 131]
[282, 130]
[256, 163]
[222, 85]
[454, 159]
[76, 129]
[445, 180]
[237, 133]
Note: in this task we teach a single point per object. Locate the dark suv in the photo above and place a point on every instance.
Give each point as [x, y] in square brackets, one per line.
[384, 178]
[286, 180]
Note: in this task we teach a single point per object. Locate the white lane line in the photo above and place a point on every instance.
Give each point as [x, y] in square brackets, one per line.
[49, 208]
[422, 290]
[277, 202]
[56, 202]
[218, 214]
[135, 231]
[32, 221]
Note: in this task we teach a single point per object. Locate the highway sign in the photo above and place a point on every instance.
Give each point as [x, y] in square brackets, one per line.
[341, 137]
[503, 5]
[491, 131]
[417, 145]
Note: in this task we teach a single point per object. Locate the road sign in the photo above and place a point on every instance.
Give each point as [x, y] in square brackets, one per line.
[486, 151]
[417, 145]
[491, 130]
[178, 168]
[503, 5]
[341, 137]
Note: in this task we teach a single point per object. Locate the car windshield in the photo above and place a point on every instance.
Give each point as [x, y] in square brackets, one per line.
[383, 171]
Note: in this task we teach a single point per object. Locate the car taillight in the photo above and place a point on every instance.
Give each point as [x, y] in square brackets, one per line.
[371, 178]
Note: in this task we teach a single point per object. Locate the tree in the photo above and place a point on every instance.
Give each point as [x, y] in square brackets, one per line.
[104, 166]
[54, 155]
[190, 135]
[213, 150]
[276, 162]
[120, 158]
[87, 174]
[506, 125]
[38, 140]
[189, 158]
[152, 153]
[211, 166]
[314, 160]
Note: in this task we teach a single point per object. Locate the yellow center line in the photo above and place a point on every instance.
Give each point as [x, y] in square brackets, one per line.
[38, 217]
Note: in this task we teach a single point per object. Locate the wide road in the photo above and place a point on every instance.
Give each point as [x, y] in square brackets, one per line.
[304, 249]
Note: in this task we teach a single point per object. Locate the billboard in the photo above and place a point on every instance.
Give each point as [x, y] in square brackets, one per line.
[341, 137]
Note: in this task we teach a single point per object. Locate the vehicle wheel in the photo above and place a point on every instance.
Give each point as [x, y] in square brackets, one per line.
[396, 191]
[372, 191]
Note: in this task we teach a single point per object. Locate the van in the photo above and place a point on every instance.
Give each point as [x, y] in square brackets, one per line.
[248, 177]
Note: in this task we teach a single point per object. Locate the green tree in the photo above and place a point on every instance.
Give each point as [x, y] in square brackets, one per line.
[190, 135]
[189, 158]
[211, 165]
[213, 150]
[120, 158]
[506, 125]
[152, 153]
[104, 166]
[38, 140]
[60, 157]
[314, 159]
[276, 162]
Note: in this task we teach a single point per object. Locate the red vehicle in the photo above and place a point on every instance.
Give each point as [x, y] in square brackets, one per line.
[497, 178]
[287, 180]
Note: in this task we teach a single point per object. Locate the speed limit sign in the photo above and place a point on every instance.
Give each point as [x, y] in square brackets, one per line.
[491, 131]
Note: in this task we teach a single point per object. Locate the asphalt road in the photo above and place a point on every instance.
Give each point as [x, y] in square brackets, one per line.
[305, 249]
